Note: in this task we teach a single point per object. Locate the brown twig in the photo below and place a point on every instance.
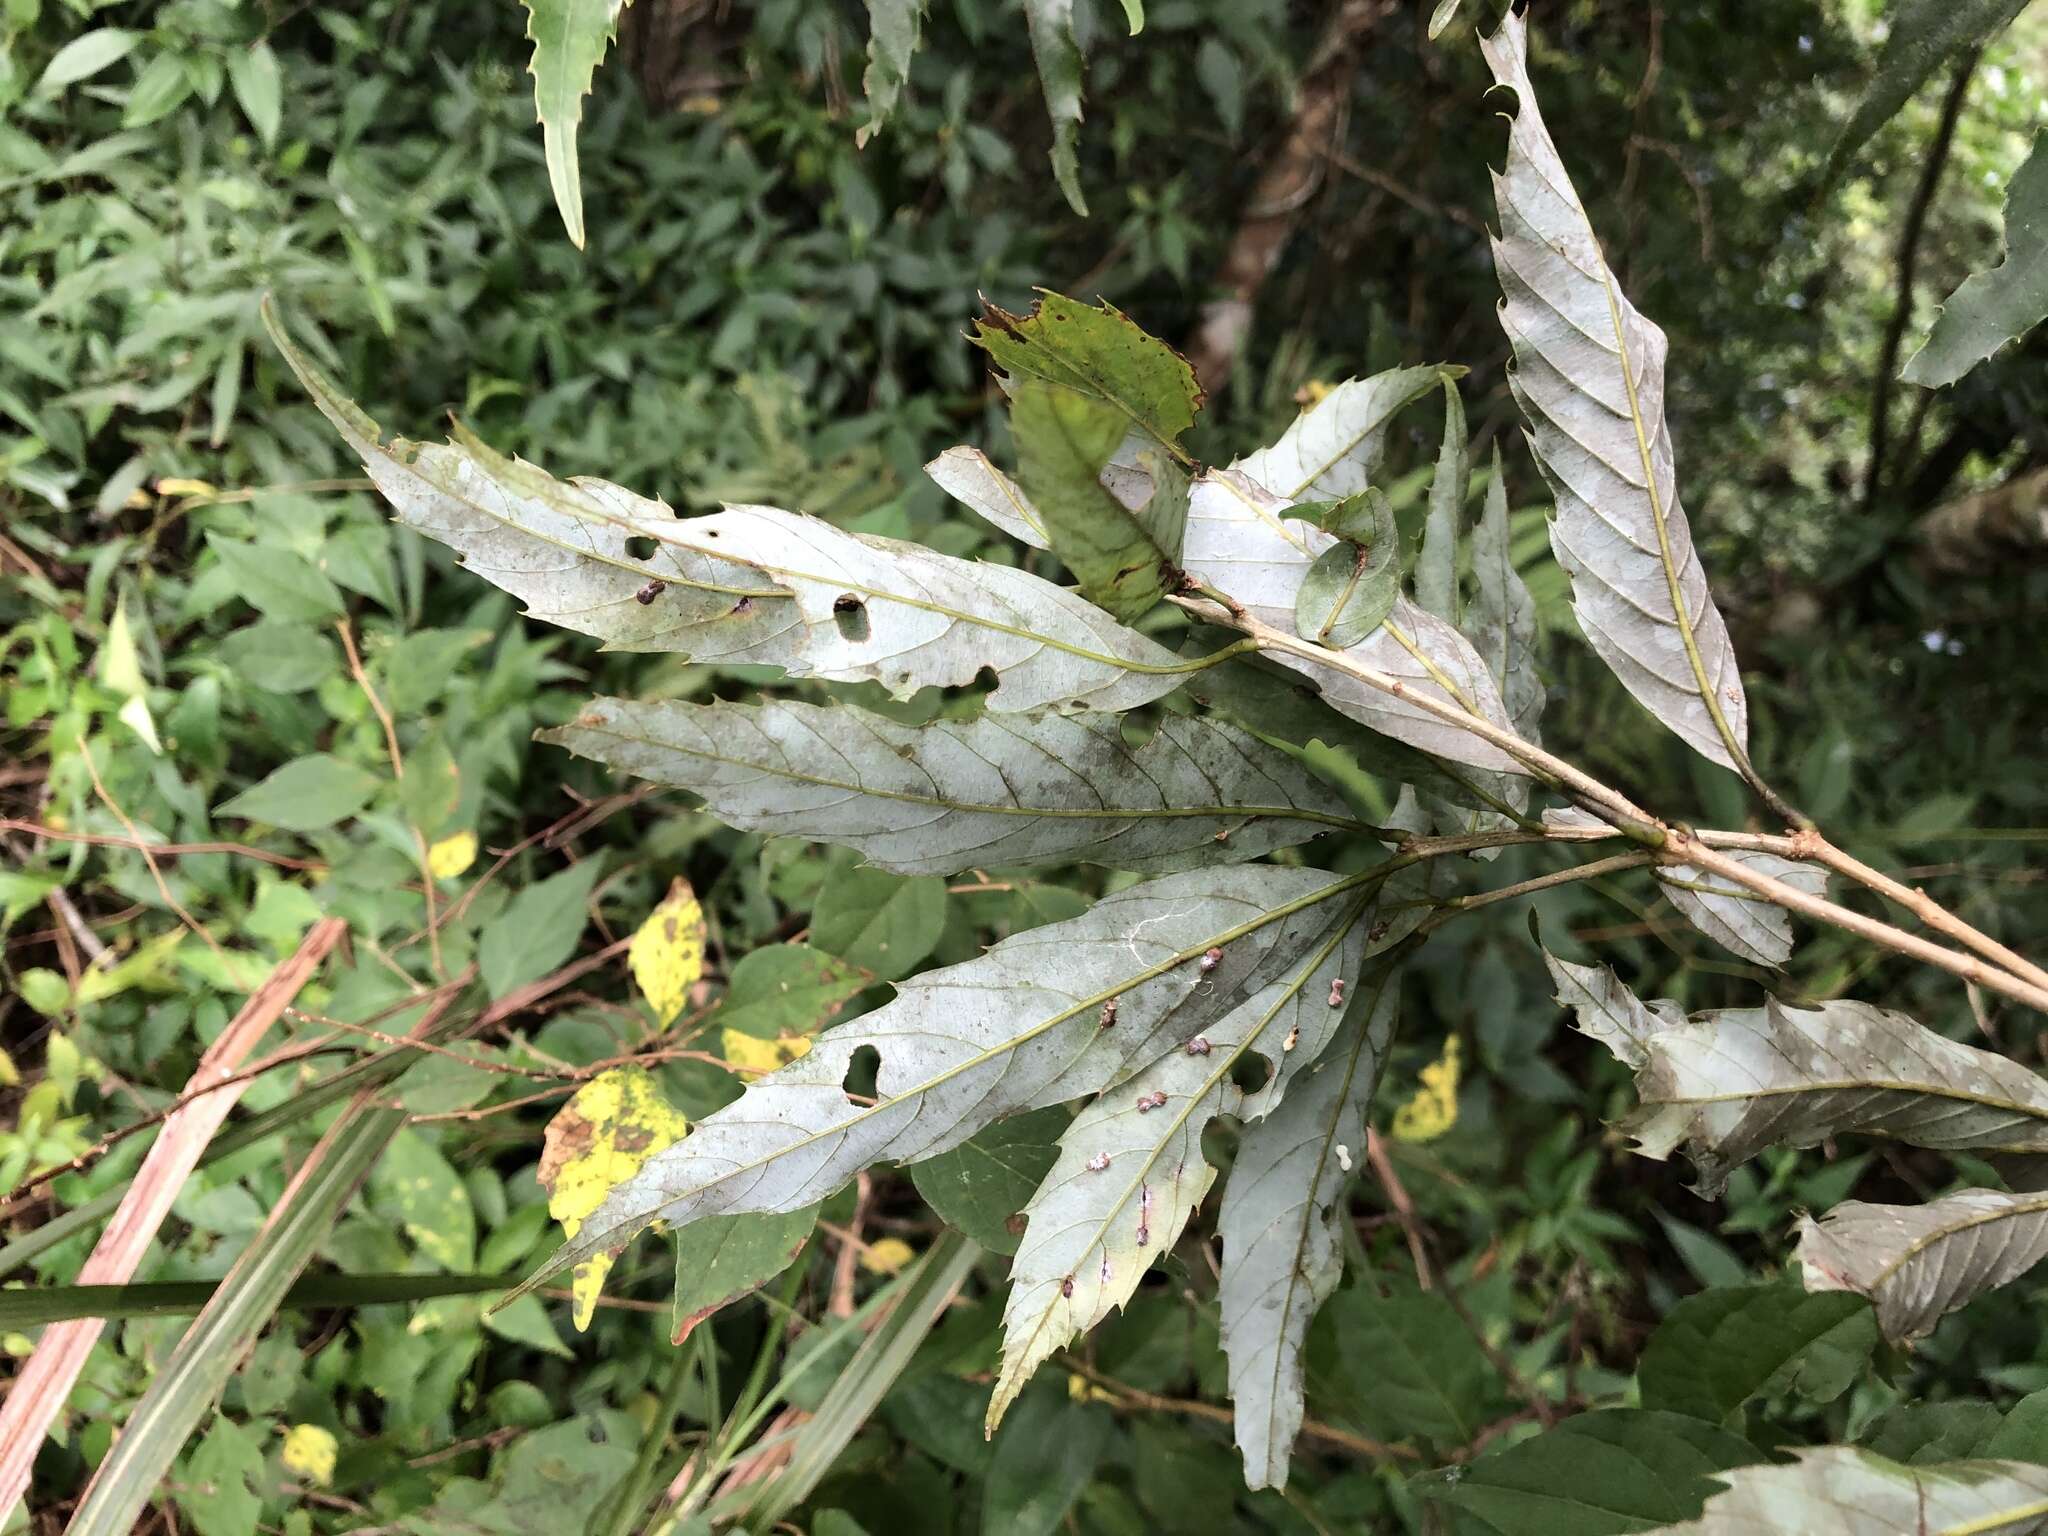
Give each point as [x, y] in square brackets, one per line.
[167, 850]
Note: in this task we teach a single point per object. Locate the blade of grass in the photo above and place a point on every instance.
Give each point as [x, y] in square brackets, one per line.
[191, 1380]
[46, 1380]
[924, 1292]
[36, 1306]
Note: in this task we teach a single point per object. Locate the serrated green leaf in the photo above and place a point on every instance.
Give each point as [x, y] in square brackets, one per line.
[1715, 1351]
[2000, 305]
[1124, 557]
[983, 1185]
[569, 40]
[723, 1258]
[1596, 1474]
[1921, 36]
[880, 922]
[894, 27]
[1098, 352]
[1058, 56]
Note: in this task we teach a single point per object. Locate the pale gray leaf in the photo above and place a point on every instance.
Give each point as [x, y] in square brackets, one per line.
[1736, 918]
[1838, 1490]
[1240, 541]
[1333, 449]
[1436, 567]
[1025, 1025]
[1607, 1009]
[1738, 1080]
[1502, 617]
[1131, 1172]
[1589, 376]
[970, 478]
[1001, 790]
[1918, 1263]
[753, 584]
[1281, 1255]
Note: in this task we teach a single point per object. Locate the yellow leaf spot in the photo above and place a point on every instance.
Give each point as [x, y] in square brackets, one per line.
[886, 1256]
[1082, 1390]
[599, 1139]
[667, 954]
[309, 1453]
[452, 855]
[751, 1053]
[1434, 1108]
[171, 485]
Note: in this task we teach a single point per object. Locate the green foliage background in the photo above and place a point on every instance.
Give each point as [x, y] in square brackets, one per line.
[766, 312]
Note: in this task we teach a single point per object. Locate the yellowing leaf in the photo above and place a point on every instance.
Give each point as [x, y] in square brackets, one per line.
[172, 485]
[1434, 1108]
[1082, 1390]
[616, 1122]
[451, 855]
[667, 954]
[886, 1256]
[750, 1053]
[120, 668]
[309, 1452]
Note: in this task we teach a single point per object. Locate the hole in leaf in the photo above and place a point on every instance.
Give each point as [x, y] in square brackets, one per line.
[851, 615]
[1251, 1071]
[639, 548]
[859, 1083]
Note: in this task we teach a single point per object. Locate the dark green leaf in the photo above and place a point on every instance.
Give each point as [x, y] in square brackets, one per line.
[1923, 35]
[881, 922]
[723, 1258]
[1351, 587]
[305, 795]
[1720, 1348]
[1045, 1453]
[1407, 1365]
[982, 1184]
[1995, 307]
[539, 930]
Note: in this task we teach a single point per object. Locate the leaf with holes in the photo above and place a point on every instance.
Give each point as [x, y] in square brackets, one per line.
[753, 584]
[1001, 790]
[1131, 1171]
[1589, 376]
[1048, 1015]
[1918, 1263]
[1281, 1255]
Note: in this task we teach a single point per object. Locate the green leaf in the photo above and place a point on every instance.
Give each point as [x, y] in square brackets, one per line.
[983, 1185]
[1019, 1027]
[1100, 353]
[1125, 558]
[280, 656]
[1351, 587]
[547, 1483]
[880, 922]
[723, 1258]
[1922, 35]
[215, 1489]
[1841, 1491]
[1589, 377]
[1919, 1263]
[1282, 1257]
[1501, 618]
[416, 1187]
[1406, 1365]
[305, 795]
[1044, 1457]
[893, 31]
[85, 55]
[1715, 1351]
[1994, 307]
[1058, 55]
[259, 87]
[753, 584]
[569, 40]
[1441, 17]
[1596, 1474]
[1920, 1434]
[539, 930]
[278, 583]
[159, 90]
[1002, 790]
[787, 989]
